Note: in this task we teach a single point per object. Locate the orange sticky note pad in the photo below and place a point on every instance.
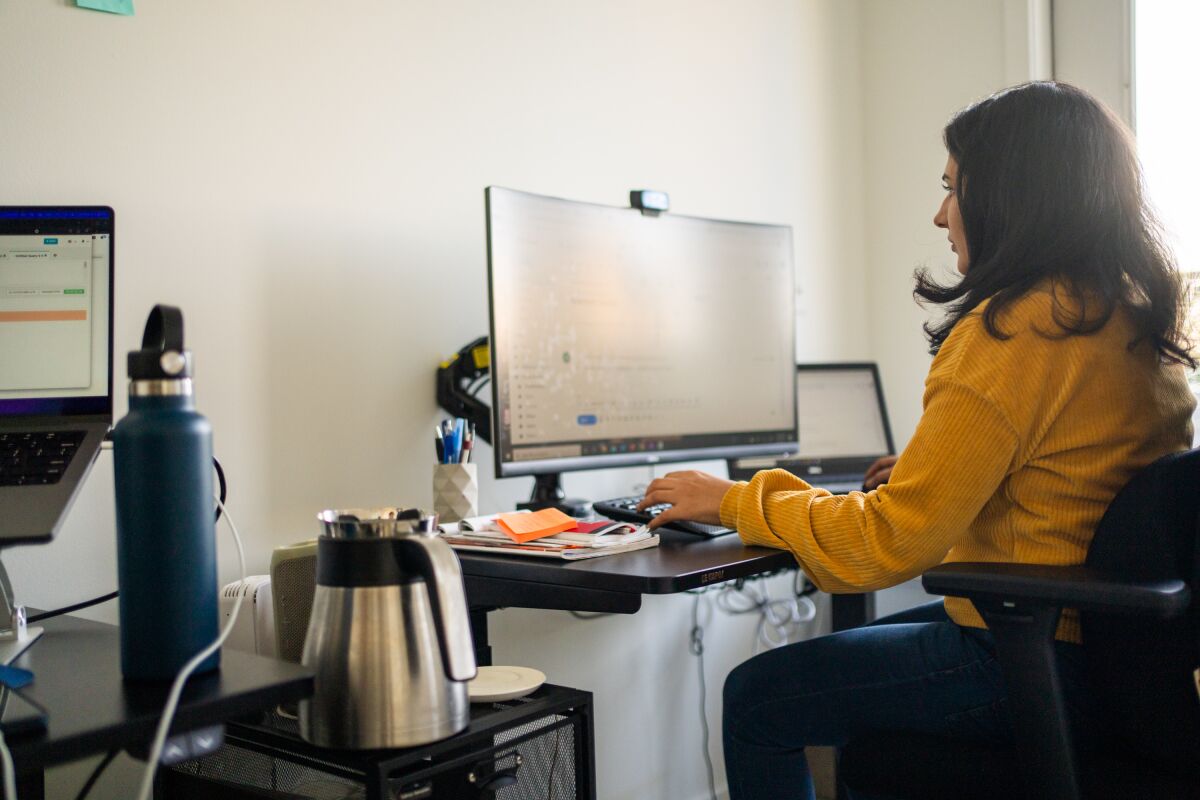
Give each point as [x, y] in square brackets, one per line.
[527, 527]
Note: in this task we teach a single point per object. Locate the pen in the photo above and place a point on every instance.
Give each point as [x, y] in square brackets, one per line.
[448, 448]
[460, 425]
[439, 444]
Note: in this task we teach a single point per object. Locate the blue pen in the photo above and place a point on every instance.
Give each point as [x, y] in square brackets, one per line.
[460, 425]
[447, 428]
[451, 443]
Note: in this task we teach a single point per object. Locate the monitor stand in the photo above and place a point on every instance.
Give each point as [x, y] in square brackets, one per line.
[548, 493]
[18, 637]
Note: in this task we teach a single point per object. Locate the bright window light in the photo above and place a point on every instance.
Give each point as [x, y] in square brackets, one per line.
[1166, 65]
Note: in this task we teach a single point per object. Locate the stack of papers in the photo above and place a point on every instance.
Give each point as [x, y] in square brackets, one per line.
[494, 533]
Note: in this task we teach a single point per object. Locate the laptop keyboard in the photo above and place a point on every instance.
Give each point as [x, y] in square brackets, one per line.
[625, 510]
[38, 457]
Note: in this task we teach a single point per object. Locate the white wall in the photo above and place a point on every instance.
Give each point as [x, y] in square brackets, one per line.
[1093, 49]
[305, 179]
[921, 62]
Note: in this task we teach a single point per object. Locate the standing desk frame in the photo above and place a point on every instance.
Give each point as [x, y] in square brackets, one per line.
[616, 583]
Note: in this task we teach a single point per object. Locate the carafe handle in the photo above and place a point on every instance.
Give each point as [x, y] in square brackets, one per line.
[436, 562]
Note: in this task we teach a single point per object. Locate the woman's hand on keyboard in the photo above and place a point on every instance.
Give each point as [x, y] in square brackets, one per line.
[692, 495]
[879, 472]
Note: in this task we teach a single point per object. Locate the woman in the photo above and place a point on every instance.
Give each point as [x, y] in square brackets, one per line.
[1058, 373]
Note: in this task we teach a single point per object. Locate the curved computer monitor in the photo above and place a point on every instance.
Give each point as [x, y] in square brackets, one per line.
[620, 338]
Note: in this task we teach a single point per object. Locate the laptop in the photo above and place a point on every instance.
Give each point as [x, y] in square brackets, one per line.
[843, 428]
[56, 360]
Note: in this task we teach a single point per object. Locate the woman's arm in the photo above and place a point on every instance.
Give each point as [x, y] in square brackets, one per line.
[956, 461]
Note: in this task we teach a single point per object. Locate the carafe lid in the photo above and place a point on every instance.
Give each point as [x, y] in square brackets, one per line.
[376, 523]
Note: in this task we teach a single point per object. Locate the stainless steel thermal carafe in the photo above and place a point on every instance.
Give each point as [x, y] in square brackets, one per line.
[389, 637]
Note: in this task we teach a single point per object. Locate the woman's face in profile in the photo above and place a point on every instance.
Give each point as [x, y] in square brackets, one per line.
[948, 217]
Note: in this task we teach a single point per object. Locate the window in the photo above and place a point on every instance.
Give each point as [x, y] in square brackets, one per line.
[1166, 116]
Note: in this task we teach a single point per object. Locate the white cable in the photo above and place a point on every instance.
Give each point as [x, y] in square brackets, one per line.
[10, 772]
[778, 620]
[160, 737]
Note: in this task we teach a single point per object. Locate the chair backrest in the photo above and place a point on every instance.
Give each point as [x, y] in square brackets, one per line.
[1143, 669]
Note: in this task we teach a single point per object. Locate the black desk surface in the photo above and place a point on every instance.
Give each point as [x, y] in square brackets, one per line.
[77, 669]
[682, 561]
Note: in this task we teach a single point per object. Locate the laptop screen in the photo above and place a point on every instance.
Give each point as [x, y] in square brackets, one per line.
[841, 411]
[56, 283]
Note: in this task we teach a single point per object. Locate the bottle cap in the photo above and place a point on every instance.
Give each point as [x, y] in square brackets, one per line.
[162, 356]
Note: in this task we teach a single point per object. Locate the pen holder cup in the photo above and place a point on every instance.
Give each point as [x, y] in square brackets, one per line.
[455, 491]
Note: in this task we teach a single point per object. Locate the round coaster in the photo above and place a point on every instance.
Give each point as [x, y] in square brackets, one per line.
[494, 684]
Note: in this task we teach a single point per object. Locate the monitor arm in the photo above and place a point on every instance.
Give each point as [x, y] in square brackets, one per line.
[470, 365]
[454, 377]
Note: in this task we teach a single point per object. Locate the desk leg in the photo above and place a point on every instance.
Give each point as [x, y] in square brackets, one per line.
[479, 634]
[851, 610]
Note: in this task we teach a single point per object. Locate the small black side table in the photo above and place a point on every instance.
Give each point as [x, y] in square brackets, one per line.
[90, 709]
[542, 745]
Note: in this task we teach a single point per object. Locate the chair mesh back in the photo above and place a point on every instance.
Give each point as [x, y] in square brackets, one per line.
[1142, 669]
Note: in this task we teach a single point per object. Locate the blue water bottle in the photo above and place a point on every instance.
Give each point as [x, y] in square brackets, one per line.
[166, 536]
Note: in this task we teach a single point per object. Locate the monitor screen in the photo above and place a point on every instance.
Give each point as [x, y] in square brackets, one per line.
[841, 411]
[55, 321]
[620, 338]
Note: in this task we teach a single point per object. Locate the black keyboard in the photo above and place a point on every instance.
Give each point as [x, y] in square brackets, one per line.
[625, 510]
[37, 457]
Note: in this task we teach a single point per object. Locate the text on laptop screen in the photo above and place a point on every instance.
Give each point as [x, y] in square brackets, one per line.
[54, 309]
[839, 413]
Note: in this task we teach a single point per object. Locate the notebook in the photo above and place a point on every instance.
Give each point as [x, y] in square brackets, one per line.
[843, 428]
[56, 360]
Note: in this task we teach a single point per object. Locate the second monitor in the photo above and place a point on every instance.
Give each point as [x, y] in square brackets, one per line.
[620, 338]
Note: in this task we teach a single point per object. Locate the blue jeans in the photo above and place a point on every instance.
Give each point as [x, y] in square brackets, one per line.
[913, 671]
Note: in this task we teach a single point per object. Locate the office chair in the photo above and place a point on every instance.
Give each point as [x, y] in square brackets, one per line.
[1141, 635]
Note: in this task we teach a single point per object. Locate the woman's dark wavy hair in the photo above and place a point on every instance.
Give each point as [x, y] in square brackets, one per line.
[1049, 187]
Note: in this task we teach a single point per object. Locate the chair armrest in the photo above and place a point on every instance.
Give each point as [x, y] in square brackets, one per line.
[1078, 587]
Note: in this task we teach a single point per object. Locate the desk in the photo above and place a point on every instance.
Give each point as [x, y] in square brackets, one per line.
[77, 668]
[616, 583]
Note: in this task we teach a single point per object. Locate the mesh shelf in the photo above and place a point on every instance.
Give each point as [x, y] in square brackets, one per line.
[534, 748]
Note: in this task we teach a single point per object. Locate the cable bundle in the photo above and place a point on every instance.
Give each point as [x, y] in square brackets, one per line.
[780, 621]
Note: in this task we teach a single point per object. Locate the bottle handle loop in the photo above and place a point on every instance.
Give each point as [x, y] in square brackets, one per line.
[164, 330]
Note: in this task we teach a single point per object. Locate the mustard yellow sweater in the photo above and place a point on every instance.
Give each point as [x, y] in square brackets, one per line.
[1022, 445]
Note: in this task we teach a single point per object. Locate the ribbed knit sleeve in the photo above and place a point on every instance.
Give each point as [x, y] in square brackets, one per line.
[958, 458]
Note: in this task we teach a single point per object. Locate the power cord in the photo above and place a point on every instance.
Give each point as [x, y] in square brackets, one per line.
[696, 648]
[224, 487]
[780, 616]
[10, 772]
[95, 776]
[778, 620]
[221, 485]
[95, 601]
[160, 737]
